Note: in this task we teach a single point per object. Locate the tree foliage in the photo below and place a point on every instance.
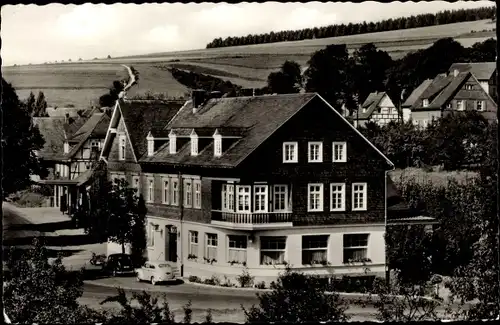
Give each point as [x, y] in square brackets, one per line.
[422, 20]
[138, 236]
[41, 105]
[109, 99]
[37, 291]
[297, 297]
[286, 81]
[20, 140]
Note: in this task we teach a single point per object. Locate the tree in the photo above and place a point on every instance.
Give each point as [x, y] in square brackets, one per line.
[30, 104]
[139, 236]
[20, 139]
[483, 51]
[123, 213]
[328, 75]
[41, 105]
[369, 70]
[109, 56]
[296, 298]
[41, 292]
[479, 279]
[286, 81]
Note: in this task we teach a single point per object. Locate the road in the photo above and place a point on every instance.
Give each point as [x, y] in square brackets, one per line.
[224, 303]
[11, 218]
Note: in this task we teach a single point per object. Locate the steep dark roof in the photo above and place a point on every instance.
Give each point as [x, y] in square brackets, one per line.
[95, 127]
[143, 116]
[52, 130]
[370, 104]
[480, 70]
[75, 125]
[255, 118]
[412, 99]
[441, 91]
[396, 205]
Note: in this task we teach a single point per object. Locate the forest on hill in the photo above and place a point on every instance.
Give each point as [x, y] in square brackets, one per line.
[423, 20]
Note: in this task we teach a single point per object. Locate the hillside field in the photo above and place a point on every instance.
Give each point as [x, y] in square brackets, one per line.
[248, 66]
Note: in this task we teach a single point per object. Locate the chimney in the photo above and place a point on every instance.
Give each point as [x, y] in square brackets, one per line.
[455, 72]
[198, 96]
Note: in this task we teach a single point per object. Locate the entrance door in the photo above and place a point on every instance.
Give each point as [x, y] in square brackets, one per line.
[171, 244]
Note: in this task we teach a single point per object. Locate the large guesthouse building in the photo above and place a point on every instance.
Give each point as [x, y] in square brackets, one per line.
[261, 182]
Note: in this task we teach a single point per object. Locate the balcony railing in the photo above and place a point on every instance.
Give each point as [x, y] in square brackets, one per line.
[252, 218]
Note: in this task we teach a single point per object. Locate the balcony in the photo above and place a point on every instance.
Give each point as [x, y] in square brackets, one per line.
[255, 220]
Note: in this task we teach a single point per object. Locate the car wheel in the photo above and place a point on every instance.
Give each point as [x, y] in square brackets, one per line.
[153, 281]
[114, 273]
[138, 278]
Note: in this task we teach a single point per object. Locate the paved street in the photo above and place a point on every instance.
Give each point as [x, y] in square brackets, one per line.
[225, 303]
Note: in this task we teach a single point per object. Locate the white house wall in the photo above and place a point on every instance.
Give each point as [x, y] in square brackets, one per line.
[267, 273]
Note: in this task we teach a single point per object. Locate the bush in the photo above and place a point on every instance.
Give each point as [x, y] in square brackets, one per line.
[361, 284]
[245, 279]
[194, 279]
[227, 282]
[214, 281]
[260, 285]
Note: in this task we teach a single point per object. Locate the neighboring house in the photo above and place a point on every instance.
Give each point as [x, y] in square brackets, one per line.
[453, 92]
[379, 108]
[485, 73]
[126, 141]
[73, 163]
[256, 181]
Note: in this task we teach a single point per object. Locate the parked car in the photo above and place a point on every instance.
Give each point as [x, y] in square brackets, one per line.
[118, 264]
[155, 272]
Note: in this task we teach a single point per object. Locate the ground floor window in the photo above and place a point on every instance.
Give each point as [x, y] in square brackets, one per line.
[314, 249]
[193, 243]
[272, 250]
[237, 249]
[211, 247]
[355, 247]
[151, 235]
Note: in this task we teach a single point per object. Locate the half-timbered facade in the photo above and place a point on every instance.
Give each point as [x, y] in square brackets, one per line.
[379, 108]
[258, 181]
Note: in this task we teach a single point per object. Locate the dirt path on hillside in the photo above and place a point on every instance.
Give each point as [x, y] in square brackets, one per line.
[131, 81]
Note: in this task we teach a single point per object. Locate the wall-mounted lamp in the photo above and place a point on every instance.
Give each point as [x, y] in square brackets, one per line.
[251, 238]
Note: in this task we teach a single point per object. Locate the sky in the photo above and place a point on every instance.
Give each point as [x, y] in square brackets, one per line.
[36, 34]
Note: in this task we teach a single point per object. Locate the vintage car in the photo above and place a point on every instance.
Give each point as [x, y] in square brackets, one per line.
[155, 272]
[118, 264]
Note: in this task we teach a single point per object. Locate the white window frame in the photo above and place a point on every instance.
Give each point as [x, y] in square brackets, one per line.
[335, 145]
[278, 191]
[233, 239]
[193, 243]
[209, 243]
[261, 195]
[323, 249]
[449, 106]
[151, 235]
[151, 190]
[311, 157]
[469, 87]
[320, 200]
[122, 146]
[245, 195]
[460, 105]
[188, 193]
[334, 189]
[175, 191]
[197, 194]
[364, 192]
[363, 248]
[172, 143]
[228, 197]
[293, 151]
[194, 145]
[217, 145]
[273, 239]
[425, 102]
[482, 104]
[165, 191]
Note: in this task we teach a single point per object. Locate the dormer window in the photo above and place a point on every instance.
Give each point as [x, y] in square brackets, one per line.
[425, 102]
[172, 142]
[217, 144]
[66, 147]
[468, 87]
[151, 144]
[194, 143]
